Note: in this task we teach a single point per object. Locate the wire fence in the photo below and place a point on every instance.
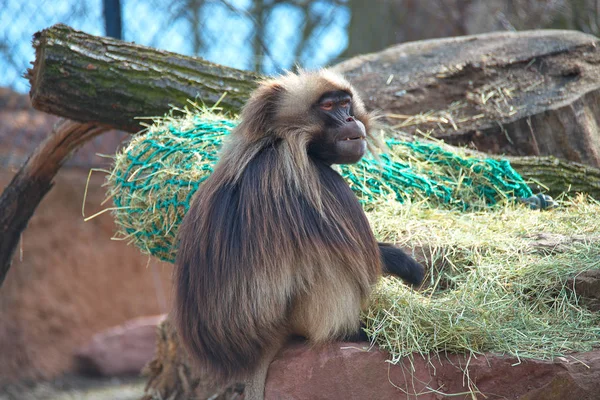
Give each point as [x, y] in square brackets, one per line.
[264, 35]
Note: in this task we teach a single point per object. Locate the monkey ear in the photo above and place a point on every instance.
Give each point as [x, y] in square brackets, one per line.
[258, 115]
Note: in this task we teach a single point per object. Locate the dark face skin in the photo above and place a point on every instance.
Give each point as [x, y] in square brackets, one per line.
[343, 140]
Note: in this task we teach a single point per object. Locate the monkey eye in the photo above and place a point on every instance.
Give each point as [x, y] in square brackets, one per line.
[327, 105]
[345, 103]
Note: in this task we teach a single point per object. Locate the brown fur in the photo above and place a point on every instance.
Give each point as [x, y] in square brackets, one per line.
[275, 243]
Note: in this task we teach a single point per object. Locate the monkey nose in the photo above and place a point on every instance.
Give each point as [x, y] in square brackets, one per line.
[349, 119]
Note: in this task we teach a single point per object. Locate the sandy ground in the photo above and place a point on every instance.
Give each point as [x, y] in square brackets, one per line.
[77, 388]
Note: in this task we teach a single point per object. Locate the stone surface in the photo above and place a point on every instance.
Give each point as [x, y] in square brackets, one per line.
[348, 371]
[121, 350]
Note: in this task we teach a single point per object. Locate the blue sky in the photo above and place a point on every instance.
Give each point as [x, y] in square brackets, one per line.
[163, 24]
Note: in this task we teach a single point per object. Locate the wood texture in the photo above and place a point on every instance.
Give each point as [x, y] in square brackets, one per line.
[89, 78]
[558, 176]
[517, 93]
[31, 183]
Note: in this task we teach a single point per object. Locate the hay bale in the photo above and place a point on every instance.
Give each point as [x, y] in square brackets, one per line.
[492, 287]
[156, 175]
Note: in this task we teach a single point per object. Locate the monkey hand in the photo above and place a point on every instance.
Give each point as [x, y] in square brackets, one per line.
[396, 262]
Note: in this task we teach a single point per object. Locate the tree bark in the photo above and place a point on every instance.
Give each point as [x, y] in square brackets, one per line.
[171, 375]
[558, 176]
[88, 78]
[516, 93]
[31, 183]
[527, 93]
[550, 175]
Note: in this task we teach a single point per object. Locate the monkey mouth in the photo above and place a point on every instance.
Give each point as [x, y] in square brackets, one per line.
[352, 137]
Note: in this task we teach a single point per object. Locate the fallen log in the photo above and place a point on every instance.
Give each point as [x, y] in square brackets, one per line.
[525, 93]
[422, 81]
[555, 176]
[532, 93]
[90, 78]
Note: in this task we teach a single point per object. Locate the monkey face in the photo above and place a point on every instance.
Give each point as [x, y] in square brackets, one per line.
[343, 137]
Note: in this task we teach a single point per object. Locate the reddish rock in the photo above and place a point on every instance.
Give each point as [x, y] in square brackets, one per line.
[349, 371]
[122, 350]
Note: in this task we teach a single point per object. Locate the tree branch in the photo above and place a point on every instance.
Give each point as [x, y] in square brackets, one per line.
[31, 183]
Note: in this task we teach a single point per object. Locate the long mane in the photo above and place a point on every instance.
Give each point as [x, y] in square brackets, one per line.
[265, 229]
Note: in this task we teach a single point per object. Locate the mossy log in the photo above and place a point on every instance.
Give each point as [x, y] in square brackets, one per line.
[111, 82]
[556, 176]
[90, 78]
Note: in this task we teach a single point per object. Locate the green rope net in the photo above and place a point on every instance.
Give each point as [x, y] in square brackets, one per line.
[156, 175]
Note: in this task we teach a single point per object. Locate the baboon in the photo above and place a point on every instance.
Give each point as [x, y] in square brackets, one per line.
[275, 242]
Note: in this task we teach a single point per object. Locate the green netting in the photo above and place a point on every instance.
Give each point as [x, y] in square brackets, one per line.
[442, 175]
[155, 177]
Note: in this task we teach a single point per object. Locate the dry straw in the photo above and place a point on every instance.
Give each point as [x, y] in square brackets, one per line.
[499, 281]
